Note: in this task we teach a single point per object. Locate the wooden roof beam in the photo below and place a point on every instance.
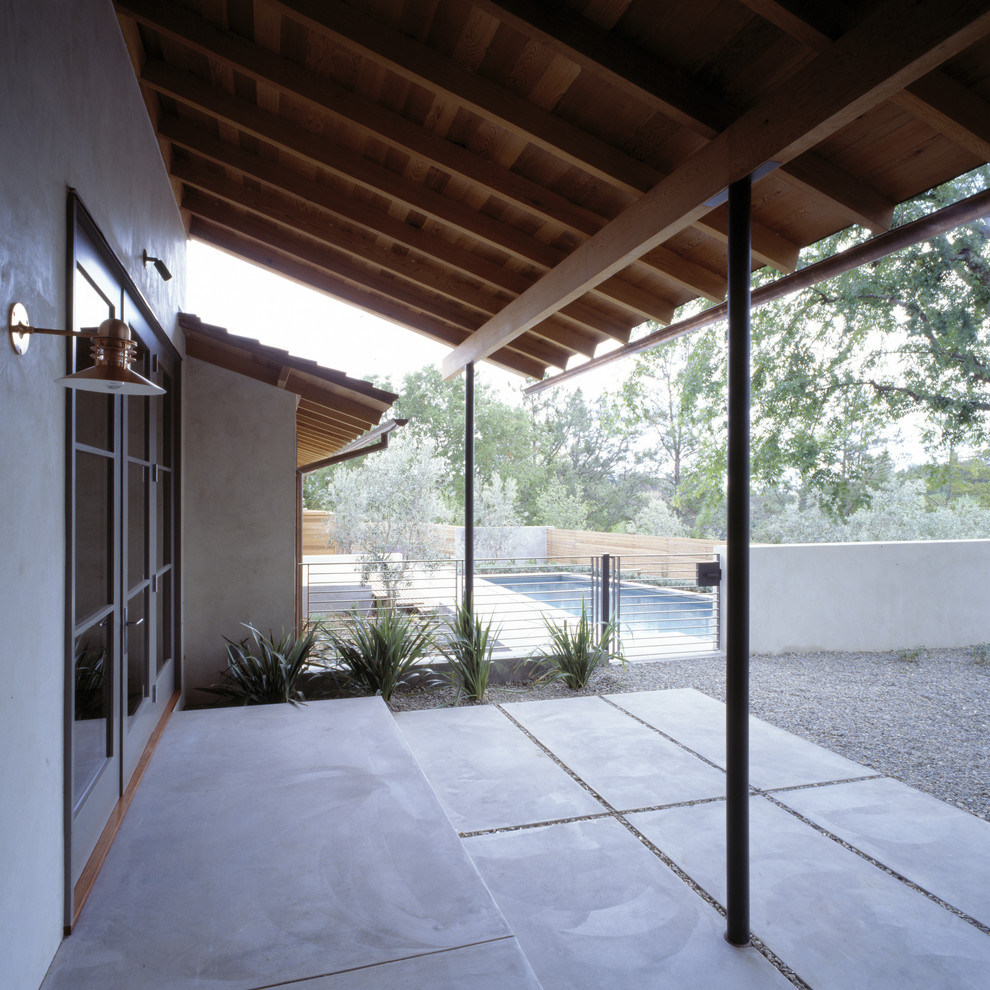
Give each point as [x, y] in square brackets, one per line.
[323, 427]
[421, 65]
[270, 69]
[639, 75]
[312, 148]
[594, 327]
[946, 106]
[899, 42]
[330, 157]
[273, 208]
[394, 310]
[504, 109]
[768, 247]
[950, 109]
[360, 249]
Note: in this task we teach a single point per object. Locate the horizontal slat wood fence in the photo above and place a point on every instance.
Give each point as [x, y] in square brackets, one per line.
[314, 533]
[578, 543]
[560, 542]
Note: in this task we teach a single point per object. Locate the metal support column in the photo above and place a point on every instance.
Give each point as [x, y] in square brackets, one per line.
[737, 592]
[606, 596]
[469, 485]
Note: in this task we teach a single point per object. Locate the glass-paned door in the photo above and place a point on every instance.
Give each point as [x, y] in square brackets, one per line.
[122, 584]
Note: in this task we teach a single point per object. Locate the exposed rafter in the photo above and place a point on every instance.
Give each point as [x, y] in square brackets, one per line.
[633, 72]
[452, 167]
[943, 104]
[898, 43]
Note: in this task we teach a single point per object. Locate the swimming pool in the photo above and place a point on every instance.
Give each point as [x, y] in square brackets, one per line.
[645, 611]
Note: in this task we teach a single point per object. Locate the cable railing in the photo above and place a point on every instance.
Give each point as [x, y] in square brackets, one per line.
[658, 607]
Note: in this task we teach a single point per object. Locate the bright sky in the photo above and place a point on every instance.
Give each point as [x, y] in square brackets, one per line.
[254, 302]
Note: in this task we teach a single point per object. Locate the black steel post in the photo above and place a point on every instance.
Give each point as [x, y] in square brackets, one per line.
[737, 592]
[606, 610]
[469, 485]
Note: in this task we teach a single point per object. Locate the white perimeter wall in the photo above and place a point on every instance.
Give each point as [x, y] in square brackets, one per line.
[868, 596]
[239, 515]
[72, 115]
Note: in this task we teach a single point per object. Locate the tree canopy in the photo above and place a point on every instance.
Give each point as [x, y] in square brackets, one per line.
[838, 371]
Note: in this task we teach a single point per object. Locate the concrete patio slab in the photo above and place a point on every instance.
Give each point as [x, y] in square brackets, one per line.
[594, 908]
[280, 847]
[274, 844]
[837, 920]
[777, 758]
[943, 849]
[487, 773]
[495, 965]
[628, 764]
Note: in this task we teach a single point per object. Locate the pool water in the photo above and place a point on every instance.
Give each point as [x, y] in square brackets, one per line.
[643, 609]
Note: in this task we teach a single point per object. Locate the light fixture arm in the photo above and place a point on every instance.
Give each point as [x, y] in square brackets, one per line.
[20, 330]
[114, 351]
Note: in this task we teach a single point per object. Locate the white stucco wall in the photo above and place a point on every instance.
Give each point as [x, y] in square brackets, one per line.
[868, 596]
[72, 115]
[239, 535]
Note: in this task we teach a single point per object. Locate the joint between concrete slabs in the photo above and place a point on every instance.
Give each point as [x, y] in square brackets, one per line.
[873, 861]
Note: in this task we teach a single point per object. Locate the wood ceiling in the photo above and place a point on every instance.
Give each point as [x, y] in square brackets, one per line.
[525, 181]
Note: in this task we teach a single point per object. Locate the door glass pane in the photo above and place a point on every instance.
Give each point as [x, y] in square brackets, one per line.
[94, 410]
[92, 676]
[136, 635]
[163, 448]
[164, 624]
[163, 519]
[93, 532]
[137, 523]
[137, 424]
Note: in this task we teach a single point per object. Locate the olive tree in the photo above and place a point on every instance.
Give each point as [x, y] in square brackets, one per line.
[389, 510]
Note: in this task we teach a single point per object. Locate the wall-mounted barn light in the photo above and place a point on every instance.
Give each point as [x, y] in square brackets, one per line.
[113, 352]
[160, 265]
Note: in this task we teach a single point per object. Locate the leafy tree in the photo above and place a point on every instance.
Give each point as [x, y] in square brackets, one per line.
[841, 363]
[560, 507]
[955, 479]
[898, 511]
[387, 511]
[435, 410]
[495, 515]
[657, 518]
[675, 400]
[585, 449]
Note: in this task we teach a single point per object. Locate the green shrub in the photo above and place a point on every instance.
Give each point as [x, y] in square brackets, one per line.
[377, 651]
[981, 653]
[911, 655]
[575, 652]
[266, 672]
[468, 649]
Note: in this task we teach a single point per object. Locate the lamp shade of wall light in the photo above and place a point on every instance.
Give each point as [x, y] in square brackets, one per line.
[113, 353]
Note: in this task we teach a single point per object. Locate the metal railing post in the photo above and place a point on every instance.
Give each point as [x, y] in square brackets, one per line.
[616, 600]
[606, 596]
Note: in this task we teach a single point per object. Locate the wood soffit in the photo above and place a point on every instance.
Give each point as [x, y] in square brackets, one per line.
[332, 409]
[525, 181]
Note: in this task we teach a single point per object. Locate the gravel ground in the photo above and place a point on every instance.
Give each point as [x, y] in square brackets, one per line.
[924, 720]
